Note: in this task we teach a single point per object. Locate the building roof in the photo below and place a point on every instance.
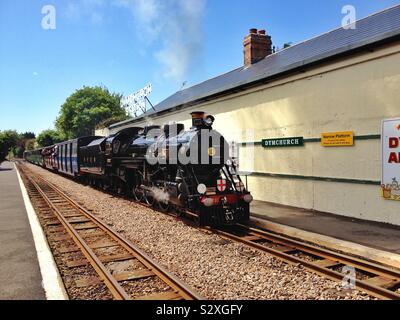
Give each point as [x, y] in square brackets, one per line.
[376, 28]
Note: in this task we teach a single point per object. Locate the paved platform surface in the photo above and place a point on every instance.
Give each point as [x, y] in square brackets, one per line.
[376, 235]
[20, 277]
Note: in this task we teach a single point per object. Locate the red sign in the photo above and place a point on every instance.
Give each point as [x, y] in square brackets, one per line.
[221, 185]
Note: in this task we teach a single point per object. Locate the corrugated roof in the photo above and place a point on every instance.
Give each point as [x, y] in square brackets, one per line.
[372, 29]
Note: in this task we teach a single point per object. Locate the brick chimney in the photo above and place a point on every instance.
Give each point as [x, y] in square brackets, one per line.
[257, 45]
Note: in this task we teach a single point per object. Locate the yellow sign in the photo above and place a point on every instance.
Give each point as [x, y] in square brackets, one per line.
[337, 139]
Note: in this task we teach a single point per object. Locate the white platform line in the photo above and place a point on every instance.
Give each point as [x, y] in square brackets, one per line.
[51, 280]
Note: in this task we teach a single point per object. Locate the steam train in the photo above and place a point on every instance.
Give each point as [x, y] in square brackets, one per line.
[185, 172]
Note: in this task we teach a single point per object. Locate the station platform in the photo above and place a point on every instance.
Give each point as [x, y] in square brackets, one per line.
[375, 235]
[20, 277]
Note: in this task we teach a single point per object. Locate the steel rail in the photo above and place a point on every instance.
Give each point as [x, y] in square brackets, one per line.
[325, 253]
[374, 290]
[363, 265]
[116, 290]
[173, 282]
[185, 291]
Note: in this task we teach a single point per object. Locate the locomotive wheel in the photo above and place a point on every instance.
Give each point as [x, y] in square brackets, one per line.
[137, 193]
[164, 206]
[149, 197]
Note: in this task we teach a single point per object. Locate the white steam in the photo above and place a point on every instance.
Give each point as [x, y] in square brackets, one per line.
[160, 195]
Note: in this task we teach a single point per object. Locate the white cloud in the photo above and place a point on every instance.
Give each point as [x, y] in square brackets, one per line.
[90, 10]
[35, 74]
[174, 25]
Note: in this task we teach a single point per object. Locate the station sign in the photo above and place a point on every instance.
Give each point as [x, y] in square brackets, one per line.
[283, 142]
[390, 139]
[337, 139]
[135, 103]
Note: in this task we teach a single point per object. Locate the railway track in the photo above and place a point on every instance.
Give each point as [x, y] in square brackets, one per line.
[376, 280]
[90, 235]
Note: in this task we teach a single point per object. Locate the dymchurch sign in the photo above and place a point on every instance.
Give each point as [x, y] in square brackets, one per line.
[283, 142]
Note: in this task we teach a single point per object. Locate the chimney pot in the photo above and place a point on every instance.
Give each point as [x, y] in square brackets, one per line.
[257, 46]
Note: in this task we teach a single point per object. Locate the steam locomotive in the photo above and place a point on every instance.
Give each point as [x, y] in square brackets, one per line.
[185, 172]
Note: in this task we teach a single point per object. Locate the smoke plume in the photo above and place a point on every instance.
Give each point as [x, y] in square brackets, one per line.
[176, 26]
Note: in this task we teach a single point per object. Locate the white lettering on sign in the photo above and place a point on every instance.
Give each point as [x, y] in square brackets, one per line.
[391, 159]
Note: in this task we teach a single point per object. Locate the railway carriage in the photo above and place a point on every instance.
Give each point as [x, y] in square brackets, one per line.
[34, 156]
[49, 158]
[67, 155]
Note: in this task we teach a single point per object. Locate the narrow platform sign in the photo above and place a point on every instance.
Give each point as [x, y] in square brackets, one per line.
[390, 184]
[337, 139]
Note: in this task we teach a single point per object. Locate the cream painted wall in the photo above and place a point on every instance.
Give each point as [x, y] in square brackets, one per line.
[354, 94]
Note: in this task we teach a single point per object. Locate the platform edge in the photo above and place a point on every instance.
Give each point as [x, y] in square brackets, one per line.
[51, 279]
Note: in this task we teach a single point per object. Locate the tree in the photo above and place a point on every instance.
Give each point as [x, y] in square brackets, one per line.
[108, 122]
[287, 45]
[8, 139]
[28, 135]
[85, 109]
[20, 148]
[30, 144]
[48, 137]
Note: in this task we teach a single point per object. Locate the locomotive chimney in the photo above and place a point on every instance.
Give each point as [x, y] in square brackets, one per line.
[197, 118]
[257, 46]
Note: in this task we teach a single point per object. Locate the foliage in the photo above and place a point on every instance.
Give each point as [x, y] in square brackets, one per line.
[19, 149]
[8, 140]
[30, 144]
[108, 122]
[86, 108]
[27, 135]
[48, 138]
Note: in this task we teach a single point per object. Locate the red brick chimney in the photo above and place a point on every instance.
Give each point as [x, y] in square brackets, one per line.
[257, 45]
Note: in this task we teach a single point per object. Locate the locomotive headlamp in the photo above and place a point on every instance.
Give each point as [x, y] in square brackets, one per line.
[248, 198]
[201, 188]
[209, 120]
[208, 202]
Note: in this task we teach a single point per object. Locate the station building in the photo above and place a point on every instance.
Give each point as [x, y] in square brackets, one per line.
[343, 82]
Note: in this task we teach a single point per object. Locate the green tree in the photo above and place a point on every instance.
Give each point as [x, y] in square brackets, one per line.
[8, 140]
[19, 149]
[28, 135]
[108, 122]
[30, 144]
[48, 138]
[85, 109]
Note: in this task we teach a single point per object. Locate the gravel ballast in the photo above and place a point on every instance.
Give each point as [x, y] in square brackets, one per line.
[216, 268]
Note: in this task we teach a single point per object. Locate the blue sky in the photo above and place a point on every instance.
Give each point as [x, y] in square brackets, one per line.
[126, 44]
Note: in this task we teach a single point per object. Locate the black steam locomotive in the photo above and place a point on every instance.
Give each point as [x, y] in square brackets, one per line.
[186, 172]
